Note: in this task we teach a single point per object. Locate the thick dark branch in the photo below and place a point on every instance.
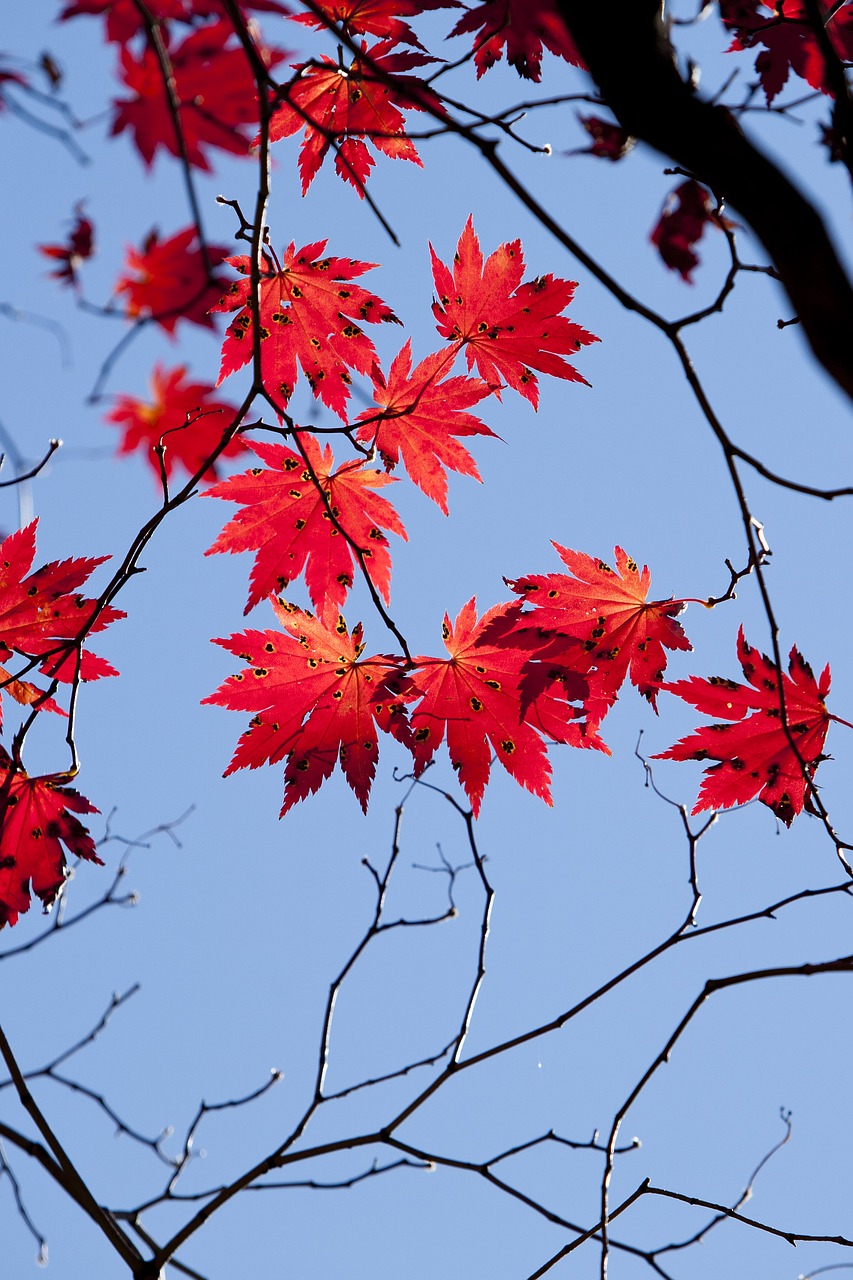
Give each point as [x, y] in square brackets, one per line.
[629, 55]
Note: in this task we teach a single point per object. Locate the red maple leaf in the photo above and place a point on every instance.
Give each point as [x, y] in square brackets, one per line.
[40, 610]
[790, 44]
[418, 418]
[686, 213]
[522, 28]
[183, 416]
[609, 141]
[307, 312]
[475, 698]
[36, 819]
[345, 105]
[753, 753]
[507, 328]
[601, 624]
[122, 19]
[215, 90]
[77, 248]
[286, 520]
[316, 701]
[380, 18]
[169, 280]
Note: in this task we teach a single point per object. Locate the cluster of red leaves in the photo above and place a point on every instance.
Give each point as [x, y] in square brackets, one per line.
[687, 211]
[77, 248]
[784, 33]
[43, 620]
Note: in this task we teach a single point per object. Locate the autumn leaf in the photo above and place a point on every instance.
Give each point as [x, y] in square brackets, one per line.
[123, 19]
[525, 30]
[184, 416]
[347, 105]
[687, 211]
[753, 752]
[40, 610]
[474, 699]
[600, 623]
[789, 42]
[316, 702]
[288, 522]
[308, 314]
[78, 247]
[609, 141]
[215, 90]
[169, 280]
[380, 18]
[507, 328]
[36, 820]
[418, 418]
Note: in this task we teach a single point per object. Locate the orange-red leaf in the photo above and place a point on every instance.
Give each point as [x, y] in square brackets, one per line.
[475, 699]
[507, 328]
[315, 701]
[39, 610]
[348, 105]
[602, 624]
[523, 29]
[287, 522]
[36, 820]
[753, 753]
[418, 418]
[185, 417]
[309, 312]
[167, 280]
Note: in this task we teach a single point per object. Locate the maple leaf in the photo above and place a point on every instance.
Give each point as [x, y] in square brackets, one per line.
[184, 416]
[348, 104]
[380, 18]
[475, 699]
[601, 624]
[40, 610]
[215, 90]
[523, 29]
[287, 521]
[316, 702]
[123, 20]
[78, 247]
[609, 141]
[168, 280]
[754, 756]
[36, 820]
[508, 328]
[790, 44]
[686, 212]
[418, 418]
[307, 313]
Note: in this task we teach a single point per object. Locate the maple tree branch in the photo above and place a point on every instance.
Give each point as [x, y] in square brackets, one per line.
[71, 1180]
[629, 55]
[843, 964]
[792, 1237]
[154, 36]
[8, 1172]
[52, 447]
